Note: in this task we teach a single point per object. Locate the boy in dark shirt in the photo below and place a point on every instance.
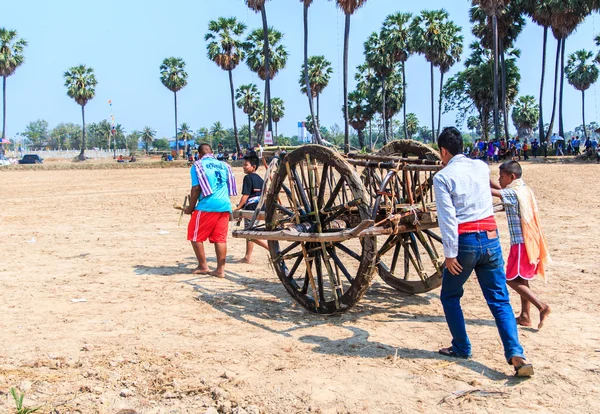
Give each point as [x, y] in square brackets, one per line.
[251, 192]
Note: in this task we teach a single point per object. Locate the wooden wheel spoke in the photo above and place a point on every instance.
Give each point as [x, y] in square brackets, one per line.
[322, 184]
[300, 191]
[334, 193]
[395, 258]
[349, 252]
[319, 272]
[290, 273]
[433, 236]
[339, 264]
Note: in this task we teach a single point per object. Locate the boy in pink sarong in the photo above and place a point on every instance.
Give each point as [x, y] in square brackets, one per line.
[528, 251]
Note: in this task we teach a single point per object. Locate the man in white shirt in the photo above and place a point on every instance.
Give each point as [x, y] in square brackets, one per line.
[470, 240]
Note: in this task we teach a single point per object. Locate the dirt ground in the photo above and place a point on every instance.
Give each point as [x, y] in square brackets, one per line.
[153, 338]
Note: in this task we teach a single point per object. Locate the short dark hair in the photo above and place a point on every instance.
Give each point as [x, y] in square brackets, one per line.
[252, 159]
[205, 148]
[512, 167]
[451, 139]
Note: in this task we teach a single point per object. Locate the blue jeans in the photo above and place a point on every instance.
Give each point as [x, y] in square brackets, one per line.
[482, 254]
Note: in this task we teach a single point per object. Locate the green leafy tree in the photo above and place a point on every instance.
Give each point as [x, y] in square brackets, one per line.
[278, 111]
[248, 99]
[217, 132]
[161, 144]
[174, 77]
[412, 125]
[147, 136]
[11, 57]
[37, 133]
[65, 136]
[257, 62]
[81, 86]
[525, 116]
[319, 74]
[185, 133]
[360, 112]
[581, 74]
[227, 49]
[396, 31]
[132, 140]
[348, 7]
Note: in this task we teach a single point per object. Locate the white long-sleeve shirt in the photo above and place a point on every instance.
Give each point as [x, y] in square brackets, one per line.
[462, 195]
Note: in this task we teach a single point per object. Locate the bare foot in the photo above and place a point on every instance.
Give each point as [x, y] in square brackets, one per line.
[200, 271]
[244, 260]
[523, 320]
[217, 274]
[543, 315]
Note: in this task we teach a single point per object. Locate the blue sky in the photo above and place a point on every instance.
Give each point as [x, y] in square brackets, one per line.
[125, 42]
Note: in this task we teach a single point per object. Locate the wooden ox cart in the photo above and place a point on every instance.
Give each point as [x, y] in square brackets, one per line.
[332, 221]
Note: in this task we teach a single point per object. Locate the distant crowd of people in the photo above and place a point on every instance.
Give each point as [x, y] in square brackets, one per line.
[517, 150]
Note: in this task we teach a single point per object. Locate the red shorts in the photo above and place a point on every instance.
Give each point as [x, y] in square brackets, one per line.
[211, 226]
[518, 263]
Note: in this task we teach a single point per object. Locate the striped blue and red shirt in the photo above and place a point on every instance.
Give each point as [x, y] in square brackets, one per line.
[217, 184]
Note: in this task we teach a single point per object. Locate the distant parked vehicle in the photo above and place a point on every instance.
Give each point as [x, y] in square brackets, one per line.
[31, 159]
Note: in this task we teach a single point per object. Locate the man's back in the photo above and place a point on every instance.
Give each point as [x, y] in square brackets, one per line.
[214, 178]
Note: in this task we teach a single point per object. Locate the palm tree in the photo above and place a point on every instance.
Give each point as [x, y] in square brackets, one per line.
[174, 77]
[319, 73]
[541, 14]
[259, 120]
[412, 125]
[147, 136]
[256, 61]
[348, 7]
[11, 57]
[309, 93]
[397, 36]
[81, 82]
[227, 50]
[428, 39]
[581, 74]
[247, 97]
[448, 58]
[217, 132]
[525, 115]
[382, 63]
[185, 133]
[360, 113]
[278, 111]
[259, 6]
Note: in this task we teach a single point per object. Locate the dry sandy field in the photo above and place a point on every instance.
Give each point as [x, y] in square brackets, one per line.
[100, 314]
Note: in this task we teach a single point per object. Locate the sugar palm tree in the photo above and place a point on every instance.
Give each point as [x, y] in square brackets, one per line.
[217, 132]
[11, 57]
[581, 74]
[81, 83]
[319, 74]
[525, 115]
[258, 117]
[278, 111]
[360, 113]
[227, 49]
[540, 13]
[185, 133]
[412, 125]
[396, 32]
[309, 94]
[382, 63]
[348, 7]
[147, 136]
[247, 97]
[428, 39]
[174, 77]
[256, 61]
[259, 6]
[448, 58]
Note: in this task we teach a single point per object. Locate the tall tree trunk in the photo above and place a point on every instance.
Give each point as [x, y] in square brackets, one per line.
[235, 131]
[439, 128]
[583, 112]
[361, 138]
[176, 137]
[432, 104]
[541, 120]
[383, 115]
[404, 99]
[306, 79]
[556, 71]
[3, 107]
[276, 135]
[82, 152]
[263, 14]
[318, 109]
[346, 39]
[484, 122]
[504, 98]
[561, 126]
[371, 134]
[249, 132]
[496, 106]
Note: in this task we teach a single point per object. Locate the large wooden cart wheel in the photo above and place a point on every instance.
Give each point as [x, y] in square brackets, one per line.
[411, 262]
[316, 191]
